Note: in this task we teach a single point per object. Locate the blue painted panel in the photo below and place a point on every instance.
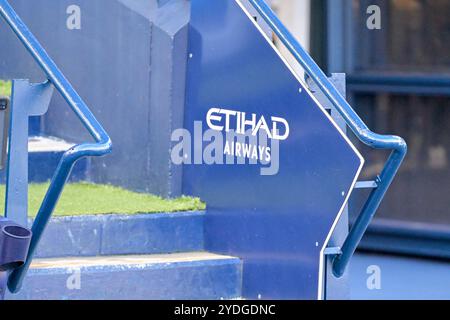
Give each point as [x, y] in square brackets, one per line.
[278, 224]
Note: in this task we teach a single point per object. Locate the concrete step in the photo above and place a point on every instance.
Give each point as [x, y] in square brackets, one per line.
[114, 234]
[194, 275]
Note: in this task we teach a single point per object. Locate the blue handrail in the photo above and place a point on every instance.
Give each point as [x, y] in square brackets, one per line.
[102, 146]
[362, 132]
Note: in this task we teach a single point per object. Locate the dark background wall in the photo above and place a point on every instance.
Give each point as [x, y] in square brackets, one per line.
[128, 62]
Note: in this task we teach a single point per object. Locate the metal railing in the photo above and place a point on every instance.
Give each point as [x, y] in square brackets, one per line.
[102, 145]
[360, 129]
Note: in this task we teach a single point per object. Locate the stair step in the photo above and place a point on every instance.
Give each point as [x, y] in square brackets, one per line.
[43, 158]
[193, 275]
[114, 234]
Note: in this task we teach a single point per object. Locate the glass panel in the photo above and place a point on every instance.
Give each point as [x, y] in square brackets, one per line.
[421, 192]
[414, 36]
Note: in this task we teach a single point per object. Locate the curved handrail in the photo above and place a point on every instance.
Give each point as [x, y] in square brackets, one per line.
[362, 132]
[102, 146]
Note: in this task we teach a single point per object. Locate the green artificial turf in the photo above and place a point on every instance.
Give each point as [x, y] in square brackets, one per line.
[86, 198]
[5, 88]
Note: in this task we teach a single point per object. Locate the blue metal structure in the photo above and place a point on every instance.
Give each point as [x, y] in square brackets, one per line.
[249, 213]
[359, 128]
[407, 223]
[279, 224]
[268, 207]
[102, 145]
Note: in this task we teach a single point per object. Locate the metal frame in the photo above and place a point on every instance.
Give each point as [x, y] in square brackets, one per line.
[360, 129]
[341, 57]
[102, 145]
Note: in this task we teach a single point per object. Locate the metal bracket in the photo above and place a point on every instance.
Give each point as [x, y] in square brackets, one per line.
[354, 122]
[27, 100]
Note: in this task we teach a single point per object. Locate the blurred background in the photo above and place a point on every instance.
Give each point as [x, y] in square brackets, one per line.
[398, 80]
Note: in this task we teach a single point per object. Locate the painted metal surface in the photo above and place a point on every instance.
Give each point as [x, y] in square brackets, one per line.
[100, 147]
[335, 287]
[14, 244]
[359, 128]
[279, 224]
[27, 101]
